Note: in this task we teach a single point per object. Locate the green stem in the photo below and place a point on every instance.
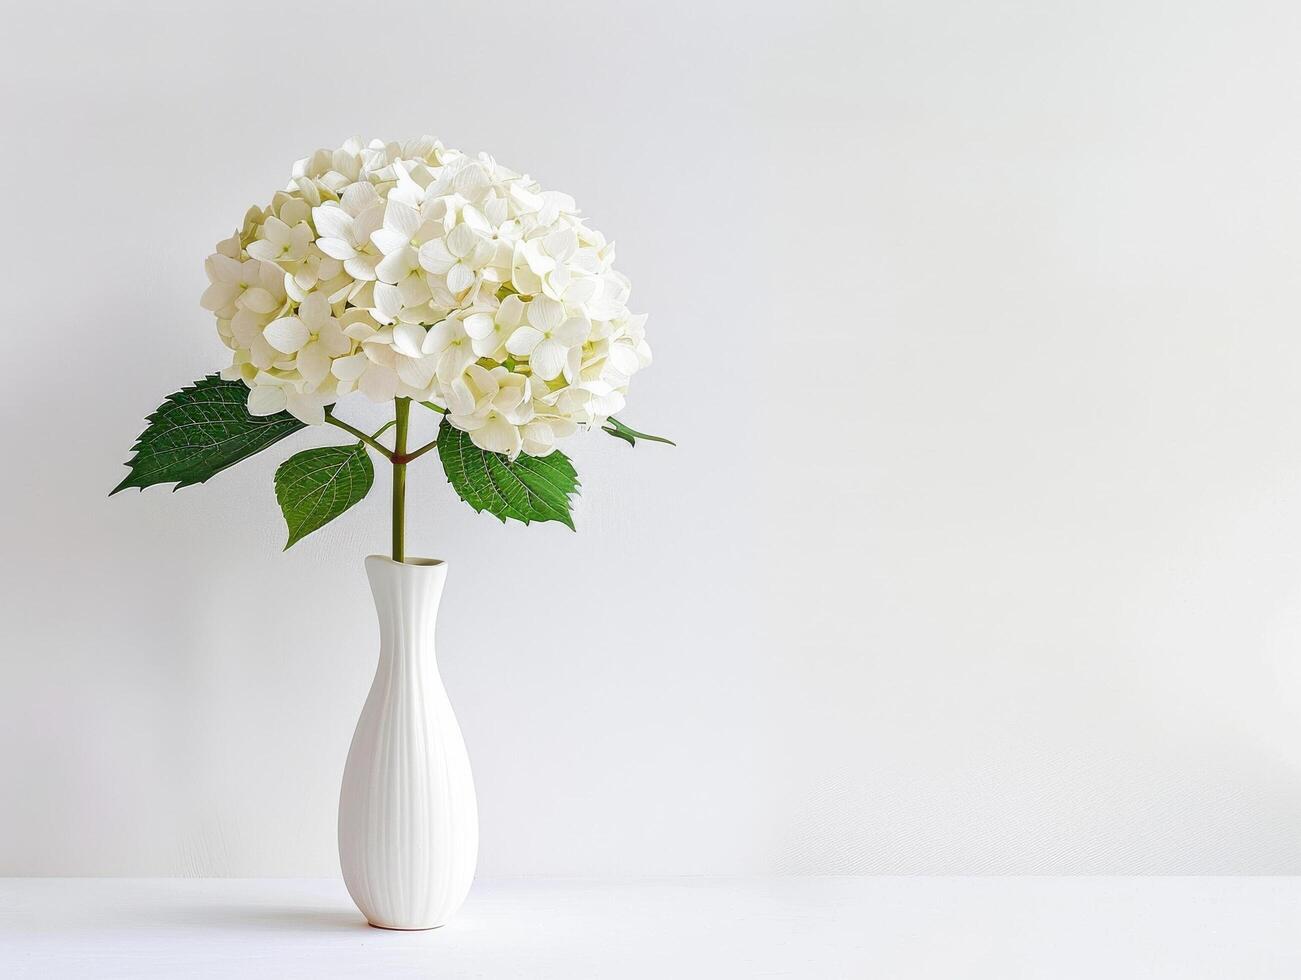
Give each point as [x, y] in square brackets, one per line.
[412, 457]
[402, 410]
[368, 440]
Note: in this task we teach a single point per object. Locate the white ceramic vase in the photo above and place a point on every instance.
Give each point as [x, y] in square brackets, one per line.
[408, 821]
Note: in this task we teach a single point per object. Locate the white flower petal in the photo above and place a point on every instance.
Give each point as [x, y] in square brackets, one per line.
[525, 200]
[573, 364]
[435, 258]
[548, 359]
[389, 241]
[261, 354]
[388, 300]
[246, 327]
[336, 248]
[473, 217]
[367, 223]
[286, 334]
[523, 341]
[511, 311]
[484, 380]
[219, 295]
[480, 325]
[407, 338]
[314, 311]
[539, 439]
[466, 423]
[266, 400]
[349, 368]
[470, 179]
[603, 406]
[417, 372]
[401, 219]
[258, 300]
[462, 241]
[305, 408]
[497, 435]
[623, 357]
[561, 244]
[332, 222]
[580, 290]
[508, 398]
[265, 251]
[525, 281]
[459, 399]
[545, 313]
[414, 291]
[313, 363]
[459, 278]
[332, 339]
[379, 383]
[358, 197]
[396, 265]
[573, 331]
[440, 335]
[361, 267]
[223, 268]
[453, 361]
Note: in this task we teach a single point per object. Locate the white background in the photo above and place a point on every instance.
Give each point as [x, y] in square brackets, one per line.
[977, 325]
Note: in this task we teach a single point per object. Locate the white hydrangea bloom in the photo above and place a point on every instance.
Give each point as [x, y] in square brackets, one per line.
[408, 269]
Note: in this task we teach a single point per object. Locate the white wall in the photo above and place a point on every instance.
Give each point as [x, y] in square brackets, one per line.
[977, 325]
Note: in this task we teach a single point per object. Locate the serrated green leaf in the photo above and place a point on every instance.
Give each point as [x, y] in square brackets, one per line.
[317, 485]
[200, 431]
[631, 435]
[528, 488]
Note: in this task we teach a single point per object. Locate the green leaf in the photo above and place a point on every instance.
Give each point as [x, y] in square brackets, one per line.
[317, 485]
[630, 435]
[528, 488]
[200, 431]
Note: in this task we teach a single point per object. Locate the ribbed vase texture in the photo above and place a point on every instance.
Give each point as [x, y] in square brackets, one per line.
[408, 822]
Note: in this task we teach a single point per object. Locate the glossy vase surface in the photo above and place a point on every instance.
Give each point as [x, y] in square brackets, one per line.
[408, 821]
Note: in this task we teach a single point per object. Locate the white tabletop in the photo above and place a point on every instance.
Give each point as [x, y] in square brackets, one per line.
[667, 929]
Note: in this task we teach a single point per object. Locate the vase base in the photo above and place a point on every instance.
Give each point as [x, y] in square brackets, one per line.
[376, 925]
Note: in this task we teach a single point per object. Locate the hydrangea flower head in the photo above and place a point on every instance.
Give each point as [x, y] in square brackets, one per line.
[412, 270]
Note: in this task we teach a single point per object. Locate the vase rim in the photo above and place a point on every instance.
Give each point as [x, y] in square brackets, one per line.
[411, 562]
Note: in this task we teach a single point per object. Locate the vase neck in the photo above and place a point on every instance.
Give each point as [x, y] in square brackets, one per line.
[406, 601]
